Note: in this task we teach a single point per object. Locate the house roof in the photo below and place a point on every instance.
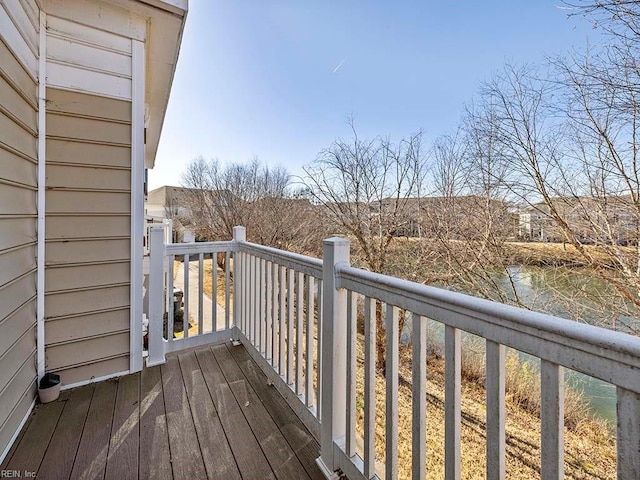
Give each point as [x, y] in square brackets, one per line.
[167, 194]
[178, 196]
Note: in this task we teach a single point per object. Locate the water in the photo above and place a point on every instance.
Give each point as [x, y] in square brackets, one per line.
[573, 295]
[581, 297]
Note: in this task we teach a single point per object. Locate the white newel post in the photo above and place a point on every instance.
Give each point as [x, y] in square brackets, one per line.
[156, 297]
[334, 352]
[628, 407]
[239, 235]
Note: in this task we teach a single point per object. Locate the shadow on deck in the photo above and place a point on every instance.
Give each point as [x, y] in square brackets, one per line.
[206, 413]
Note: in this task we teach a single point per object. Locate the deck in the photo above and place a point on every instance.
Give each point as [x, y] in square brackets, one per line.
[206, 413]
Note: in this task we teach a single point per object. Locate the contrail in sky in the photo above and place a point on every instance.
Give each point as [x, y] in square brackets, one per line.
[339, 65]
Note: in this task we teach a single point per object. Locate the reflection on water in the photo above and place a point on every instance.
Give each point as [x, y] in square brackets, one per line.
[572, 294]
[578, 296]
[600, 396]
[581, 297]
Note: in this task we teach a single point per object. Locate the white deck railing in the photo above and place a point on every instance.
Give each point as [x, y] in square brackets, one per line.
[213, 324]
[298, 315]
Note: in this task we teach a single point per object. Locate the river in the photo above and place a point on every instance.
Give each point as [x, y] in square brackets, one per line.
[571, 294]
[578, 296]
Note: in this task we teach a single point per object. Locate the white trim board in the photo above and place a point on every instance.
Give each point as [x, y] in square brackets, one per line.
[41, 226]
[137, 204]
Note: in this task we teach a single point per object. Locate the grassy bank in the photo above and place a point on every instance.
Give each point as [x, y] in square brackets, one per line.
[589, 446]
[220, 283]
[433, 262]
[554, 254]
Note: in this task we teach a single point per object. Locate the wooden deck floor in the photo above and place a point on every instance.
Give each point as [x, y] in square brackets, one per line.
[207, 413]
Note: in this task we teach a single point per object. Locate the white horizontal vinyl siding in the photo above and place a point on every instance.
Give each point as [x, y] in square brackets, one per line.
[86, 59]
[88, 253]
[81, 79]
[18, 212]
[92, 57]
[31, 10]
[61, 28]
[19, 34]
[100, 16]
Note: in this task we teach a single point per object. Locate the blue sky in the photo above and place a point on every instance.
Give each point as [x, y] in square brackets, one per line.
[278, 79]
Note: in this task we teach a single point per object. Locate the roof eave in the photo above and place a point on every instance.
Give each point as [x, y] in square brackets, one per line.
[163, 48]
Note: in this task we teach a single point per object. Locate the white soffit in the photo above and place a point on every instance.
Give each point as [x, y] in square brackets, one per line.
[174, 6]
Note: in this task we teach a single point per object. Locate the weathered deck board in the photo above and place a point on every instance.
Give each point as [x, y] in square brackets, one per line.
[125, 436]
[91, 458]
[180, 420]
[251, 460]
[186, 457]
[155, 456]
[58, 463]
[14, 447]
[299, 438]
[36, 438]
[279, 454]
[216, 452]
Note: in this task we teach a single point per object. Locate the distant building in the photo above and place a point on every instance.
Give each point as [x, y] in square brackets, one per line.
[171, 203]
[456, 217]
[167, 200]
[592, 220]
[531, 225]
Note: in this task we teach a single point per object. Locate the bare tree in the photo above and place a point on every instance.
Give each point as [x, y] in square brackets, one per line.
[602, 108]
[449, 174]
[291, 222]
[603, 112]
[619, 19]
[370, 191]
[221, 196]
[469, 221]
[569, 151]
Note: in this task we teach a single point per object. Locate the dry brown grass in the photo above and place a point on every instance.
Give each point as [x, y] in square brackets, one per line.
[590, 448]
[208, 290]
[220, 284]
[404, 253]
[208, 280]
[543, 253]
[522, 384]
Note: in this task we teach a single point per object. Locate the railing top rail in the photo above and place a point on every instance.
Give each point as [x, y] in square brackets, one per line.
[197, 247]
[302, 263]
[611, 356]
